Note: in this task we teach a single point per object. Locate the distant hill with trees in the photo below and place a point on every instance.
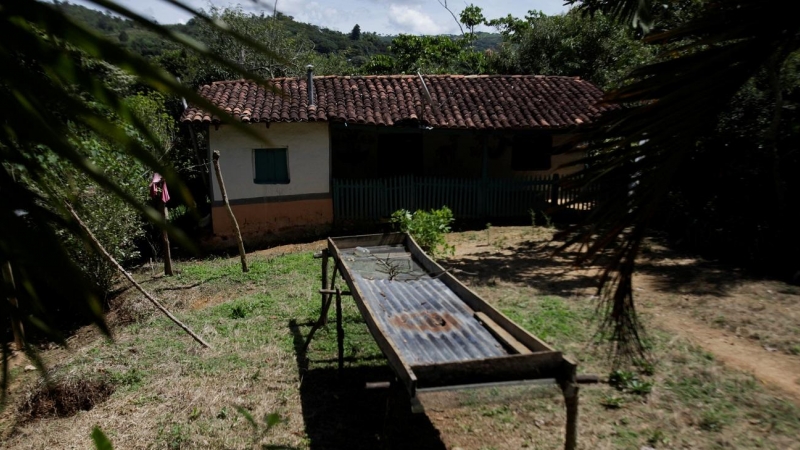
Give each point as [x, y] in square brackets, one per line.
[356, 46]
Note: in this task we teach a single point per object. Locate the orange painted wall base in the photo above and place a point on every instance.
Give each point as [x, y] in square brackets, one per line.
[273, 217]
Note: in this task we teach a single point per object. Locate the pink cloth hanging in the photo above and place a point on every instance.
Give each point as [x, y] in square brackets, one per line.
[159, 187]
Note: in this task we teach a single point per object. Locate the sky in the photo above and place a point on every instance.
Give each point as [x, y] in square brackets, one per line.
[379, 16]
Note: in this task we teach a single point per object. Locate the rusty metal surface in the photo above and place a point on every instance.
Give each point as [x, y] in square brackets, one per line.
[425, 320]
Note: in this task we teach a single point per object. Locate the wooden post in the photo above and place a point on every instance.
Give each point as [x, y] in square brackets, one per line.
[333, 277]
[165, 239]
[16, 324]
[554, 190]
[484, 192]
[571, 401]
[242, 254]
[569, 387]
[339, 329]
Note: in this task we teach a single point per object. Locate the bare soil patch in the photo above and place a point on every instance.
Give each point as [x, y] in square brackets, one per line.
[64, 398]
[293, 248]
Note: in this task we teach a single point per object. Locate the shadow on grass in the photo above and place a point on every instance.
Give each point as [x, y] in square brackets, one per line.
[674, 272]
[532, 264]
[340, 413]
[536, 265]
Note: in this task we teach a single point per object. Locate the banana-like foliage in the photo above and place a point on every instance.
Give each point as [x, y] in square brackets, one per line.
[47, 91]
[638, 151]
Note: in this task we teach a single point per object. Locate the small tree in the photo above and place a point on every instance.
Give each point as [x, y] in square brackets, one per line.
[429, 54]
[123, 36]
[290, 56]
[593, 48]
[472, 16]
[356, 33]
[428, 228]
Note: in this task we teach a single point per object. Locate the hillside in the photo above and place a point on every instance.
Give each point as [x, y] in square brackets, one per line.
[326, 41]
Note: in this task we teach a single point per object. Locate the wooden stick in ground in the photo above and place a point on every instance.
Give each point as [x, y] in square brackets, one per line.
[165, 240]
[242, 254]
[16, 324]
[113, 261]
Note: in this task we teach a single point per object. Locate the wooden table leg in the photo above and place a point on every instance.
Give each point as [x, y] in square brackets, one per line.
[320, 322]
[325, 286]
[326, 303]
[571, 401]
[339, 329]
[569, 387]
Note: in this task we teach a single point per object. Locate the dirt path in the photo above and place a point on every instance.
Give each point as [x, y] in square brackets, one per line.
[771, 368]
[747, 324]
[292, 248]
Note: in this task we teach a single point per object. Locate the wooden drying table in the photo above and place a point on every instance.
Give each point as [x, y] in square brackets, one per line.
[436, 333]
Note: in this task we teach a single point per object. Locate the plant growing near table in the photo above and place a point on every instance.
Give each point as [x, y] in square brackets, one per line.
[428, 228]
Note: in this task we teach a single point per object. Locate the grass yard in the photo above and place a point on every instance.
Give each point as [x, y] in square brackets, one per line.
[168, 392]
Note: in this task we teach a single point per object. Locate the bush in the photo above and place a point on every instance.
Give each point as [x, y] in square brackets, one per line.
[627, 381]
[427, 228]
[118, 226]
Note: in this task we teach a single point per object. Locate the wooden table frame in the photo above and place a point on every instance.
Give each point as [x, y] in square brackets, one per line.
[536, 362]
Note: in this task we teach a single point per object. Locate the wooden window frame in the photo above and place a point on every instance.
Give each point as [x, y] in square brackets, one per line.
[258, 180]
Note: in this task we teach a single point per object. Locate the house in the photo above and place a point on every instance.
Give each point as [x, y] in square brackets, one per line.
[349, 147]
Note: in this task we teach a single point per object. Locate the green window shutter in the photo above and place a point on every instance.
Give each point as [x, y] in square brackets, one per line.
[271, 166]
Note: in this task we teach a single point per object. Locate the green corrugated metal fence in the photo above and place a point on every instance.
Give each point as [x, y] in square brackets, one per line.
[376, 199]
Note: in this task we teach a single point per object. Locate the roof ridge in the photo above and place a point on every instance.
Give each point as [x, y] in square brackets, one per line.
[394, 76]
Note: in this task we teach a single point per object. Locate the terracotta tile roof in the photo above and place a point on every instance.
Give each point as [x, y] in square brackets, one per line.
[458, 101]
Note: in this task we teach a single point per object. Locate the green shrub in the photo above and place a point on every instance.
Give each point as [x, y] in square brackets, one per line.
[238, 312]
[427, 228]
[630, 382]
[620, 379]
[612, 402]
[540, 218]
[118, 226]
[711, 420]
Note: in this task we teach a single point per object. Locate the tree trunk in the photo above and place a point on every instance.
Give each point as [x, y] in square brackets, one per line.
[242, 254]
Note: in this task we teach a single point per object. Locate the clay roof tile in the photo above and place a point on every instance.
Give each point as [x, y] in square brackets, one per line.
[456, 101]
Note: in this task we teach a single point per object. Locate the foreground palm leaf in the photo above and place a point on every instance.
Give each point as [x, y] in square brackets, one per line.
[639, 151]
[46, 92]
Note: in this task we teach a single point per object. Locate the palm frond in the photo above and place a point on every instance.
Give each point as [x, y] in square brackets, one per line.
[640, 150]
[638, 13]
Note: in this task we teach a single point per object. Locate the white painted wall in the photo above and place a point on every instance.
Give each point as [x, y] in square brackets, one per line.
[308, 157]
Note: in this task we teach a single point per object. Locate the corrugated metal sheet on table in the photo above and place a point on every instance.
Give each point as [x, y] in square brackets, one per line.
[427, 322]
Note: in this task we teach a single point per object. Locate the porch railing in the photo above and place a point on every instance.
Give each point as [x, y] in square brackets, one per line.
[375, 199]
